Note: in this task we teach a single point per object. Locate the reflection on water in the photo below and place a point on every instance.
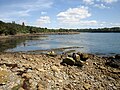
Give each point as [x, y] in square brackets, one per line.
[18, 43]
[10, 43]
[100, 43]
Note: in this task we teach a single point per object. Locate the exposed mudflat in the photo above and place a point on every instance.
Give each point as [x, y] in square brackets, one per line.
[43, 72]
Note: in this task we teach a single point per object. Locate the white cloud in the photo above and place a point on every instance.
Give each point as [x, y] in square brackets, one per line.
[109, 1]
[115, 24]
[23, 9]
[6, 19]
[91, 22]
[43, 20]
[99, 3]
[108, 24]
[43, 13]
[88, 1]
[73, 15]
[102, 6]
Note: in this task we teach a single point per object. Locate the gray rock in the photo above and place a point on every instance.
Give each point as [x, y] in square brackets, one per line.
[52, 53]
[87, 86]
[117, 56]
[69, 61]
[76, 57]
[79, 63]
[84, 56]
[115, 63]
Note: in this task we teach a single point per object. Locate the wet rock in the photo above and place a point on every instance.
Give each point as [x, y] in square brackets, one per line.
[113, 63]
[26, 84]
[40, 87]
[69, 55]
[4, 76]
[117, 56]
[116, 71]
[26, 65]
[79, 53]
[26, 75]
[69, 61]
[9, 65]
[76, 57]
[46, 73]
[21, 88]
[83, 56]
[55, 69]
[79, 63]
[87, 86]
[111, 57]
[102, 68]
[41, 69]
[52, 53]
[23, 57]
[70, 86]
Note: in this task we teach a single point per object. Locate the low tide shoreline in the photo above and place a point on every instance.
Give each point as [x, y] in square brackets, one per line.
[45, 72]
[51, 71]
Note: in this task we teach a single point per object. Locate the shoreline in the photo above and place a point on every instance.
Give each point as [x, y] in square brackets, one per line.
[45, 72]
[37, 34]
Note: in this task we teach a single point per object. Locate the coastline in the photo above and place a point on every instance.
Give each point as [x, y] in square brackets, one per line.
[45, 72]
[31, 71]
[37, 34]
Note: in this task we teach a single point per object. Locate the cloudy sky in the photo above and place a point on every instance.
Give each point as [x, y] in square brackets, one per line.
[62, 13]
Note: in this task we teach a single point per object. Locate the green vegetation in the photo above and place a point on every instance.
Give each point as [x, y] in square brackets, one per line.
[13, 28]
[113, 29]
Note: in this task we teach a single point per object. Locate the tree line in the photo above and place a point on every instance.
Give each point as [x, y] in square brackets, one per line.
[14, 28]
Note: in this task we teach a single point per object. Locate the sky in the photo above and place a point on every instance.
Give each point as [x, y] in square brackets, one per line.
[62, 13]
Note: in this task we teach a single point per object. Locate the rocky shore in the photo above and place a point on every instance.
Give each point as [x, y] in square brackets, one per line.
[20, 71]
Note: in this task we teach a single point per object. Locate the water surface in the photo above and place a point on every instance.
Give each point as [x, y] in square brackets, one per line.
[96, 43]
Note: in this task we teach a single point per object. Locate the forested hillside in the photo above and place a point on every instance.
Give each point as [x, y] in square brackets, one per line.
[13, 28]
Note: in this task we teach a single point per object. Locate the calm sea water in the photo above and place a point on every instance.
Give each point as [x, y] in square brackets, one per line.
[97, 43]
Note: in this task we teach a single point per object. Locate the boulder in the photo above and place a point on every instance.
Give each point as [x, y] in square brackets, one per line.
[76, 57]
[83, 56]
[113, 63]
[79, 53]
[79, 63]
[52, 53]
[69, 55]
[69, 61]
[117, 56]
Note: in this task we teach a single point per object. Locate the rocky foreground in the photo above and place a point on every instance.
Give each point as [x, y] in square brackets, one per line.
[51, 72]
